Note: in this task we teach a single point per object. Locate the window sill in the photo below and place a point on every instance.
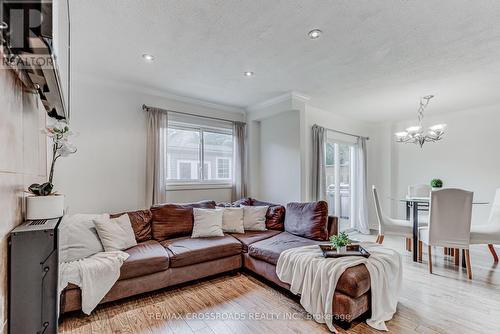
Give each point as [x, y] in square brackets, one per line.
[197, 186]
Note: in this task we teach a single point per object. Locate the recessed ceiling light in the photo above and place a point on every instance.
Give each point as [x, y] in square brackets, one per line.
[248, 74]
[315, 33]
[148, 57]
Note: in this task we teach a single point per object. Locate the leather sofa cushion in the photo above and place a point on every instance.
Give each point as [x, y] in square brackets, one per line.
[308, 220]
[145, 258]
[141, 223]
[249, 237]
[269, 250]
[185, 251]
[175, 220]
[348, 308]
[275, 217]
[256, 202]
[355, 281]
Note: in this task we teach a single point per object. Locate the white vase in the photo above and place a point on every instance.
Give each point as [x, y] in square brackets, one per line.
[44, 207]
[342, 249]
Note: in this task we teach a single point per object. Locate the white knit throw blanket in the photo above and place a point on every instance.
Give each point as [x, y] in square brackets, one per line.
[95, 275]
[315, 278]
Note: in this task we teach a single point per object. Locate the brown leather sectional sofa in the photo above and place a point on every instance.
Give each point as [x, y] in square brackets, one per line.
[166, 254]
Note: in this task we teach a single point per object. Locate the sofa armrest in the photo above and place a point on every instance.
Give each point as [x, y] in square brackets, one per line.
[333, 225]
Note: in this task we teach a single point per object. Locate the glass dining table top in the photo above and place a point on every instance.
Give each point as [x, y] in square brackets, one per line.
[428, 199]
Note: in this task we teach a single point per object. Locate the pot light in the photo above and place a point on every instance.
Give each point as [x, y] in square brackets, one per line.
[248, 74]
[315, 34]
[148, 57]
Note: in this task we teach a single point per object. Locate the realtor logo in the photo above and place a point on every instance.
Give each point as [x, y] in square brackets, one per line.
[26, 33]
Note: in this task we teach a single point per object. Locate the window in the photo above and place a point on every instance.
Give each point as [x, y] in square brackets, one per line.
[340, 180]
[194, 146]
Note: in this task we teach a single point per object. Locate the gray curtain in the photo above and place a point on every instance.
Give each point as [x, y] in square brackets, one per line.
[318, 163]
[239, 188]
[156, 156]
[361, 202]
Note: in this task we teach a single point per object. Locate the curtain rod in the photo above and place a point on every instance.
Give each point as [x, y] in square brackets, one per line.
[345, 133]
[146, 108]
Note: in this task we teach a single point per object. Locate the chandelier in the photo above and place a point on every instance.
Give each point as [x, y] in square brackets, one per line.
[415, 134]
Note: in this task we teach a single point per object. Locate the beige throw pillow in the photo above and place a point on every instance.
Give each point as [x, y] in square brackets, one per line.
[207, 223]
[254, 218]
[232, 220]
[115, 234]
[78, 237]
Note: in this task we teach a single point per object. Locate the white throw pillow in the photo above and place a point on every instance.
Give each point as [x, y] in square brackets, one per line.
[254, 218]
[78, 237]
[207, 223]
[115, 234]
[232, 220]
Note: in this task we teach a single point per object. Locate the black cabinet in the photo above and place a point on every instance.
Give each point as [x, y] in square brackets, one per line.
[33, 277]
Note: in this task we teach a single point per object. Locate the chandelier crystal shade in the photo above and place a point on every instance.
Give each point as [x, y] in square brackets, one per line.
[416, 134]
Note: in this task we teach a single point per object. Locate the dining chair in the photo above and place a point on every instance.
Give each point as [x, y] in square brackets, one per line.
[489, 234]
[449, 223]
[390, 226]
[419, 190]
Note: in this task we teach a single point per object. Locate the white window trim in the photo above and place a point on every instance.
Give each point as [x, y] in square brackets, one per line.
[199, 183]
[198, 186]
[209, 169]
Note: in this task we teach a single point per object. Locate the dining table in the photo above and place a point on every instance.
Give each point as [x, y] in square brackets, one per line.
[414, 205]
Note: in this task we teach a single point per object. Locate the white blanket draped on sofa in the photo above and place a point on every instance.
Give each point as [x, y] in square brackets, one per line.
[315, 278]
[95, 275]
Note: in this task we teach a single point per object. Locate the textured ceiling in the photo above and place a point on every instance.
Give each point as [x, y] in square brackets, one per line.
[373, 61]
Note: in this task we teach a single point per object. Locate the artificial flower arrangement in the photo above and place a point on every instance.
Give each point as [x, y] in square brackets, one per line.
[59, 133]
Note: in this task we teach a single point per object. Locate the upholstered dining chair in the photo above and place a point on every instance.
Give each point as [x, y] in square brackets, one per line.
[390, 226]
[489, 234]
[449, 223]
[419, 190]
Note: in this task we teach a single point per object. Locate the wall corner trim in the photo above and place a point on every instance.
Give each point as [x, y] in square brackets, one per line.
[291, 95]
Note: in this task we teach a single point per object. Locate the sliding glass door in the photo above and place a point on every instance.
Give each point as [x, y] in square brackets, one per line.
[340, 180]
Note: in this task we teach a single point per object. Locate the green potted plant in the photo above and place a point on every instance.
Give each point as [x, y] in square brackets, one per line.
[436, 184]
[340, 242]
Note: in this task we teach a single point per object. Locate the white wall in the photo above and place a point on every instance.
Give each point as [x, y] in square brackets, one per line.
[284, 138]
[280, 158]
[107, 174]
[466, 158]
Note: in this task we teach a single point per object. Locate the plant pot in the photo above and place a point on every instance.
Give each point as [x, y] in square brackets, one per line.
[436, 188]
[44, 207]
[341, 249]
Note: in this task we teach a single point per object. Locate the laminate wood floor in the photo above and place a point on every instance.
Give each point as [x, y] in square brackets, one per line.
[444, 302]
